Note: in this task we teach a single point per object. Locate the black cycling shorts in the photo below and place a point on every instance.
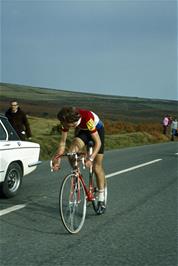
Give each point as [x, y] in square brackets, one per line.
[85, 136]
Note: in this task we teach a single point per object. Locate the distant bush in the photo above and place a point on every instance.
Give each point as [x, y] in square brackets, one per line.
[56, 129]
[45, 114]
[127, 127]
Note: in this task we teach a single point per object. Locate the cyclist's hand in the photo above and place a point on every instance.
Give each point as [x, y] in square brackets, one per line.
[55, 166]
[88, 163]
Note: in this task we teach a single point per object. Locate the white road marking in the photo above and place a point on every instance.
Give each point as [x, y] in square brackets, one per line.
[132, 168]
[176, 153]
[11, 209]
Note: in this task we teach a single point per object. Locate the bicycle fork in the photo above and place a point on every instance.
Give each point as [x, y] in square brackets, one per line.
[75, 190]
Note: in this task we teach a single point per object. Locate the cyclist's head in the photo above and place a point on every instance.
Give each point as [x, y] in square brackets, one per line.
[68, 115]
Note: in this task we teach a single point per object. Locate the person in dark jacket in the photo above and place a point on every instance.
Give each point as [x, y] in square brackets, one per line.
[18, 120]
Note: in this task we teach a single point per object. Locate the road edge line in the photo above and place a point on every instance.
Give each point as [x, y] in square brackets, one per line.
[11, 209]
[132, 168]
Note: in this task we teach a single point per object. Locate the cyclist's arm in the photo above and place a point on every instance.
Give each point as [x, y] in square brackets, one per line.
[97, 141]
[61, 148]
[62, 143]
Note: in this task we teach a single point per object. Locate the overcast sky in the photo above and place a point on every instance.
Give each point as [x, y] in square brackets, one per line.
[119, 47]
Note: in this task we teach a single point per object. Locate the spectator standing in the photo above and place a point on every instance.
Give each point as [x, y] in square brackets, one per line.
[18, 120]
[174, 127]
[165, 124]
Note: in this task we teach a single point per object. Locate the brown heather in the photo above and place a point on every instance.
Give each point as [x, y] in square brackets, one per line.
[118, 134]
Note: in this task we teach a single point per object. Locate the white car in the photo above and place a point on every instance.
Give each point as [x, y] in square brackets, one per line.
[17, 158]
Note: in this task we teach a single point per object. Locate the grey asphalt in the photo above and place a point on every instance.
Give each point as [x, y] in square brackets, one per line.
[139, 227]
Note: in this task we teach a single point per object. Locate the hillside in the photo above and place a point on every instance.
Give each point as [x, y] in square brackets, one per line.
[43, 102]
[128, 121]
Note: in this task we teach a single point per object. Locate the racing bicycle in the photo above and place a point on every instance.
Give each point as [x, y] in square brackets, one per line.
[76, 192]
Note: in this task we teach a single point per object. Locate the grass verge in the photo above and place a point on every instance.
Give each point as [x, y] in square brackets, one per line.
[48, 140]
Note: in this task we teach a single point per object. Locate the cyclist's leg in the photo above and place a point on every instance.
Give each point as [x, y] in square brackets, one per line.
[99, 171]
[76, 146]
[98, 162]
[101, 182]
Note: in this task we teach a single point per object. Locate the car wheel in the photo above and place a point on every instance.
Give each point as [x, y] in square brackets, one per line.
[12, 181]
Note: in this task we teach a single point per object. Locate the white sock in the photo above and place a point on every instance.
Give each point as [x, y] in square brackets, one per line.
[101, 195]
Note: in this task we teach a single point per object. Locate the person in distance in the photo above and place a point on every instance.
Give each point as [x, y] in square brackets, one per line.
[18, 120]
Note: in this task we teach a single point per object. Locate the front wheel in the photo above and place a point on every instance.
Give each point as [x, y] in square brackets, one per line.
[72, 203]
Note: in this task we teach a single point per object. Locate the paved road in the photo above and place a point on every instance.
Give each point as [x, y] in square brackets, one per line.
[138, 229]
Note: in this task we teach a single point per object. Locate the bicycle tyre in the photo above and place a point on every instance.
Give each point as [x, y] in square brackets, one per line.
[72, 203]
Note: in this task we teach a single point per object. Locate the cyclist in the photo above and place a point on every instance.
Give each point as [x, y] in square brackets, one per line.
[88, 127]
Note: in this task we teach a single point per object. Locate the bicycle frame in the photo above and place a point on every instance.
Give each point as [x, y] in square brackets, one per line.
[88, 189]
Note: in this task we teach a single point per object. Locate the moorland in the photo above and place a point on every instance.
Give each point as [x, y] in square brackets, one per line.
[129, 121]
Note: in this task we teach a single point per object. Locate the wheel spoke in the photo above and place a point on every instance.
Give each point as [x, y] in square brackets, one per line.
[72, 204]
[13, 180]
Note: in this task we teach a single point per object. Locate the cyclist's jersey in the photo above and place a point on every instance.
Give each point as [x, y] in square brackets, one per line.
[88, 121]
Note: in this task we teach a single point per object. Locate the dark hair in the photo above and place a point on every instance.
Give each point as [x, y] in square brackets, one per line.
[14, 100]
[68, 115]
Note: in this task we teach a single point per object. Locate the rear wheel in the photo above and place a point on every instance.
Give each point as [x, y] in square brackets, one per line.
[72, 203]
[12, 181]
